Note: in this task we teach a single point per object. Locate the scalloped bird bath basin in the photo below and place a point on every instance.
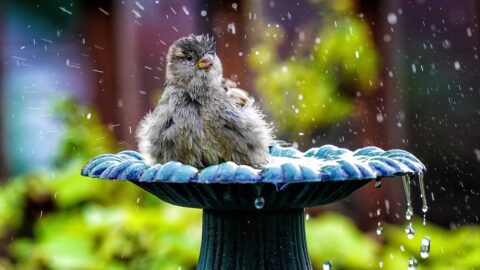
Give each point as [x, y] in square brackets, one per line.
[254, 219]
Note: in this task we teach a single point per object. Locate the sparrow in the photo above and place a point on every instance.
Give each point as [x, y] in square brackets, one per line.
[199, 120]
[240, 96]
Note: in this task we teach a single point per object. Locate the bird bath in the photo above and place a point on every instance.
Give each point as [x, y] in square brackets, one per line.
[254, 219]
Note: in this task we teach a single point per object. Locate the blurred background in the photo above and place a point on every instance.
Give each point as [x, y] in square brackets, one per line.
[77, 76]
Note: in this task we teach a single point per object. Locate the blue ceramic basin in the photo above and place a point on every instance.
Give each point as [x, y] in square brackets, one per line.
[292, 179]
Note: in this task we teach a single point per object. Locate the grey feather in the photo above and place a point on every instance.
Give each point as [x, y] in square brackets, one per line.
[196, 121]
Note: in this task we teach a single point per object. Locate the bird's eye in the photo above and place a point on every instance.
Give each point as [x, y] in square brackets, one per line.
[189, 58]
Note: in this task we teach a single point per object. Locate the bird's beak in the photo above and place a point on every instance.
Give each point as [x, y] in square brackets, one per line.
[205, 62]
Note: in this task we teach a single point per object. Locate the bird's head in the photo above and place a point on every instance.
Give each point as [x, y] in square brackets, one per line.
[193, 62]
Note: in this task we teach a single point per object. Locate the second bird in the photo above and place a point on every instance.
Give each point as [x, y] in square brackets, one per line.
[196, 121]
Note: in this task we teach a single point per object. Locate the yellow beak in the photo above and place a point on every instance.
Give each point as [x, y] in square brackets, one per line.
[205, 62]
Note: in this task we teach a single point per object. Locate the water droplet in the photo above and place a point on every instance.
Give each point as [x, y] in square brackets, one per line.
[259, 202]
[379, 229]
[327, 265]
[380, 264]
[425, 247]
[406, 187]
[392, 18]
[203, 13]
[469, 31]
[412, 264]
[379, 211]
[446, 44]
[231, 28]
[235, 6]
[185, 10]
[410, 232]
[414, 68]
[422, 193]
[409, 213]
[457, 65]
[378, 183]
[307, 216]
[402, 248]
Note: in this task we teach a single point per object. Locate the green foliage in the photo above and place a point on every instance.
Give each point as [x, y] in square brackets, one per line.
[84, 136]
[335, 238]
[310, 88]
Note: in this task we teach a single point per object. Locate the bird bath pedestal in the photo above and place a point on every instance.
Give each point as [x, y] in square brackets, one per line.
[254, 219]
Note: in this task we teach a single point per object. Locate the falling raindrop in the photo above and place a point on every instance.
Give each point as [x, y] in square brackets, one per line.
[406, 186]
[307, 216]
[412, 264]
[425, 247]
[410, 232]
[378, 183]
[327, 265]
[203, 13]
[259, 202]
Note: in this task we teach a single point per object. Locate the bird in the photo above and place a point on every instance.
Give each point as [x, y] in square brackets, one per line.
[201, 120]
[240, 96]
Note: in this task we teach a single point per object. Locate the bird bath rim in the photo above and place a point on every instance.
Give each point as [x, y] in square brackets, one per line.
[293, 179]
[288, 165]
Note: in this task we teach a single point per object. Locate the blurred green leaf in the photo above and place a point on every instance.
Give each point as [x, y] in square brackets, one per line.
[317, 84]
[335, 238]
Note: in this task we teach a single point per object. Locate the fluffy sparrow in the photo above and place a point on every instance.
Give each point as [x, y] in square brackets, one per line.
[200, 121]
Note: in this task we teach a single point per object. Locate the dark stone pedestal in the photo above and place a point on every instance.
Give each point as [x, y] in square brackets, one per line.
[254, 240]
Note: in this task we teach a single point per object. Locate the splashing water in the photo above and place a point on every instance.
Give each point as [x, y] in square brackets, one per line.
[412, 264]
[259, 202]
[425, 247]
[327, 265]
[424, 197]
[406, 186]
